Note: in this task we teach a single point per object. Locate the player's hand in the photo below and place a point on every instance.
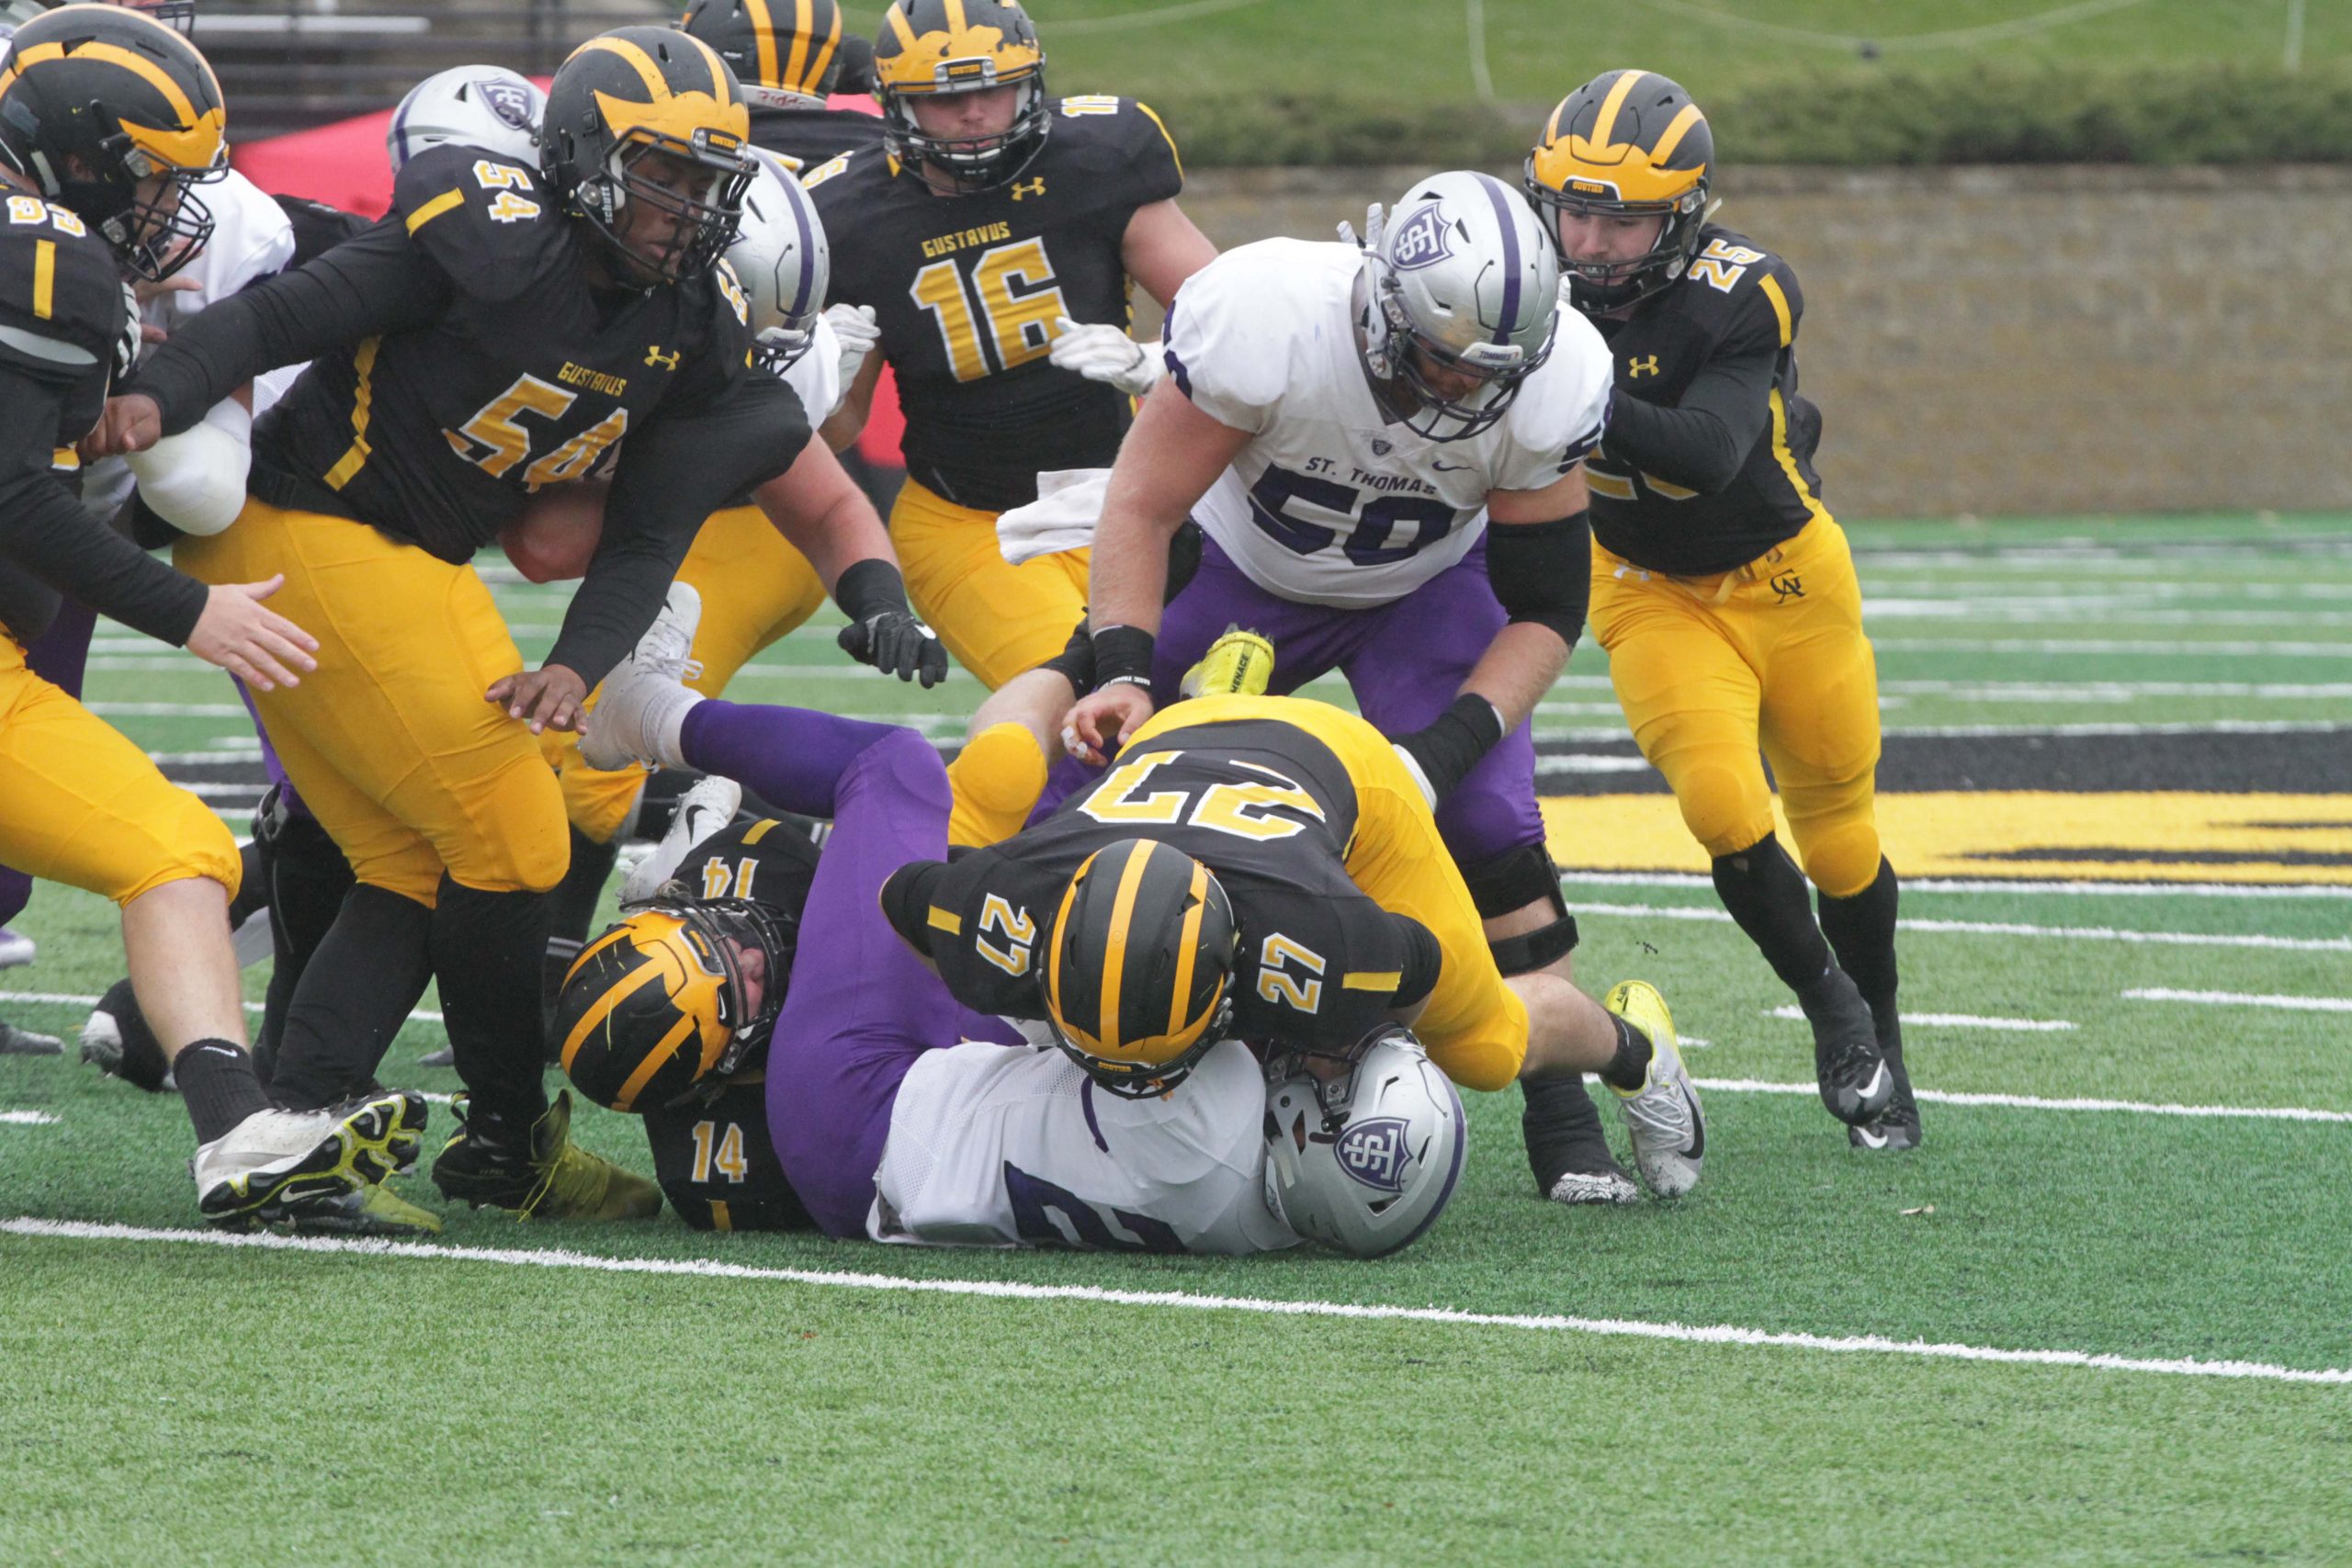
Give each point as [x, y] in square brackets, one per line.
[249, 640]
[896, 643]
[546, 698]
[145, 293]
[132, 422]
[1098, 721]
[856, 327]
[1105, 353]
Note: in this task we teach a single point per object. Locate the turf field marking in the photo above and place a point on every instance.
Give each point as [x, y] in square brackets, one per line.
[69, 998]
[2239, 999]
[1694, 1334]
[1950, 885]
[2039, 1102]
[2116, 691]
[1957, 1021]
[27, 1119]
[2116, 645]
[2014, 928]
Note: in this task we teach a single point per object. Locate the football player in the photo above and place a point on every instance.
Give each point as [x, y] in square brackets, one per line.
[108, 124]
[1384, 446]
[500, 332]
[990, 216]
[797, 1064]
[1721, 586]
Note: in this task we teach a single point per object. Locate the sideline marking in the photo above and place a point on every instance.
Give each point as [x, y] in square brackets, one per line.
[1979, 884]
[2242, 1000]
[1957, 1021]
[1697, 1334]
[2037, 1102]
[28, 1119]
[2014, 928]
[69, 998]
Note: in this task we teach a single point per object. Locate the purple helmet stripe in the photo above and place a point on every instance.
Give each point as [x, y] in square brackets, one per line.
[399, 127]
[1504, 201]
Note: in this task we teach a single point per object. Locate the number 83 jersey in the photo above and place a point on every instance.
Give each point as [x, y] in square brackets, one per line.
[1332, 503]
[967, 289]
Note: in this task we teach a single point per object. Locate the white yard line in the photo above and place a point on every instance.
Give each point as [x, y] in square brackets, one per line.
[1956, 1020]
[2241, 999]
[2040, 646]
[1691, 1334]
[1950, 885]
[27, 1119]
[2012, 927]
[2040, 1102]
[69, 998]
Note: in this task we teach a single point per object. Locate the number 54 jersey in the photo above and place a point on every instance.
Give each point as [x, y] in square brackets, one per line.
[1332, 503]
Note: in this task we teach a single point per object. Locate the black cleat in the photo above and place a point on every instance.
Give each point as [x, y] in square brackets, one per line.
[1856, 1082]
[538, 1171]
[15, 1042]
[1896, 1127]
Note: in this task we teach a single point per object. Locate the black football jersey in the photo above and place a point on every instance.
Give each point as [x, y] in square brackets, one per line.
[769, 861]
[802, 139]
[967, 290]
[507, 373]
[1735, 298]
[1265, 806]
[717, 1166]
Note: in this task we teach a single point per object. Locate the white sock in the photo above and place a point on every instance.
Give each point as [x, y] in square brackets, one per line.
[665, 724]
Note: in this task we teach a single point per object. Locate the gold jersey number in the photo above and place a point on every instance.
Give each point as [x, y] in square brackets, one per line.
[1018, 304]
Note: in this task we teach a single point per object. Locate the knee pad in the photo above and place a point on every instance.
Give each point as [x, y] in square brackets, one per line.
[1724, 807]
[995, 783]
[1836, 829]
[1509, 882]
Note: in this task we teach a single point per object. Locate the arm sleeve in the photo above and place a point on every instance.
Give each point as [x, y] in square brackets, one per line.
[378, 283]
[680, 469]
[1703, 442]
[48, 532]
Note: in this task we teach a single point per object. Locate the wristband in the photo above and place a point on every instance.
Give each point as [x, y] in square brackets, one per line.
[869, 587]
[1121, 654]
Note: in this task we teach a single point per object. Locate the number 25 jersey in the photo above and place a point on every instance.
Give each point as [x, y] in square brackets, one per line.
[967, 290]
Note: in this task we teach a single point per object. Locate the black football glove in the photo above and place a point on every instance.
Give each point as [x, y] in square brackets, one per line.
[896, 643]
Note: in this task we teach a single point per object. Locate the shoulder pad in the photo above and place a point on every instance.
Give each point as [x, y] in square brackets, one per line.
[1129, 137]
[61, 305]
[1740, 289]
[1231, 336]
[485, 220]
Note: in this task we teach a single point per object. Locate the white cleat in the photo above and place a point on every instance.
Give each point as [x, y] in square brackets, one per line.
[1669, 1129]
[706, 808]
[279, 1164]
[16, 949]
[643, 700]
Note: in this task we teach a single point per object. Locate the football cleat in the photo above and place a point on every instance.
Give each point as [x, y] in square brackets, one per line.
[1856, 1083]
[1897, 1127]
[279, 1164]
[374, 1210]
[643, 700]
[708, 808]
[15, 1042]
[1239, 664]
[1669, 1129]
[445, 1057]
[1565, 1148]
[539, 1172]
[116, 1041]
[16, 949]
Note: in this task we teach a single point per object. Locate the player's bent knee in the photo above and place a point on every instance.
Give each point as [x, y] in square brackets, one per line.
[1724, 810]
[995, 783]
[203, 848]
[1840, 859]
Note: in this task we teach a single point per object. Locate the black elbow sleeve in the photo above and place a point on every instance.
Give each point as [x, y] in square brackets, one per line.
[1543, 571]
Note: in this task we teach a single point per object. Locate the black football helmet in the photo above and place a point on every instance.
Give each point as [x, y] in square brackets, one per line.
[786, 54]
[1628, 143]
[938, 47]
[96, 99]
[632, 94]
[1139, 966]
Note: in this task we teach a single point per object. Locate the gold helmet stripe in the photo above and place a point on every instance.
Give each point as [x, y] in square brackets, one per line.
[1185, 942]
[655, 1060]
[718, 72]
[897, 17]
[679, 115]
[791, 80]
[764, 38]
[593, 1019]
[618, 933]
[1675, 133]
[195, 145]
[1619, 91]
[957, 22]
[642, 62]
[1123, 916]
[1054, 950]
[1551, 126]
[825, 52]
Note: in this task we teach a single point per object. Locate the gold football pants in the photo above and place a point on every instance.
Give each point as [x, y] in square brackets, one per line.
[390, 740]
[755, 587]
[81, 805]
[1768, 655]
[996, 620]
[1474, 1026]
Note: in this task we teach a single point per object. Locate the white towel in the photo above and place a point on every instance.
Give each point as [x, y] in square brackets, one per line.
[1069, 505]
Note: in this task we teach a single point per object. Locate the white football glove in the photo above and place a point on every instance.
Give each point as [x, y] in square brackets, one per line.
[1108, 354]
[1376, 223]
[856, 327]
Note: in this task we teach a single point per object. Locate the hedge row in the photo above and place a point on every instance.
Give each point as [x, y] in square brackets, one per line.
[1849, 116]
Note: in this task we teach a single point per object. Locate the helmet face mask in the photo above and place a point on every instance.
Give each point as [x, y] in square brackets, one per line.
[703, 201]
[1626, 144]
[924, 51]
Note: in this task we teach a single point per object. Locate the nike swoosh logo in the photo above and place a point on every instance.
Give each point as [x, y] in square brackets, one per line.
[1698, 1149]
[1869, 1139]
[1878, 1081]
[1447, 467]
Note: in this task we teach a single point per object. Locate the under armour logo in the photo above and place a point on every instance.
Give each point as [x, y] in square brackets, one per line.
[1641, 367]
[1787, 585]
[653, 355]
[1029, 187]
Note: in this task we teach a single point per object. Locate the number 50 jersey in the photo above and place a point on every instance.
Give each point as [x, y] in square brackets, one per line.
[1331, 503]
[967, 290]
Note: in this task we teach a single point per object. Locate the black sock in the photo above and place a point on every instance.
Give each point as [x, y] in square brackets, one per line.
[1862, 930]
[1765, 895]
[216, 1080]
[487, 952]
[1629, 1070]
[308, 880]
[354, 995]
[1562, 1126]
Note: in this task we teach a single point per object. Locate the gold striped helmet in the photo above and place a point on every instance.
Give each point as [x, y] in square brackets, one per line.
[127, 98]
[1627, 143]
[1139, 966]
[939, 48]
[682, 990]
[786, 53]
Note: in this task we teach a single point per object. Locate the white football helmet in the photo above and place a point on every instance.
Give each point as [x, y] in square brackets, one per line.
[1463, 271]
[1366, 1163]
[781, 255]
[487, 106]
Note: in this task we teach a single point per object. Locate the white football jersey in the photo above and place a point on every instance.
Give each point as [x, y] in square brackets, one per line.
[251, 238]
[1011, 1145]
[816, 375]
[1331, 503]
